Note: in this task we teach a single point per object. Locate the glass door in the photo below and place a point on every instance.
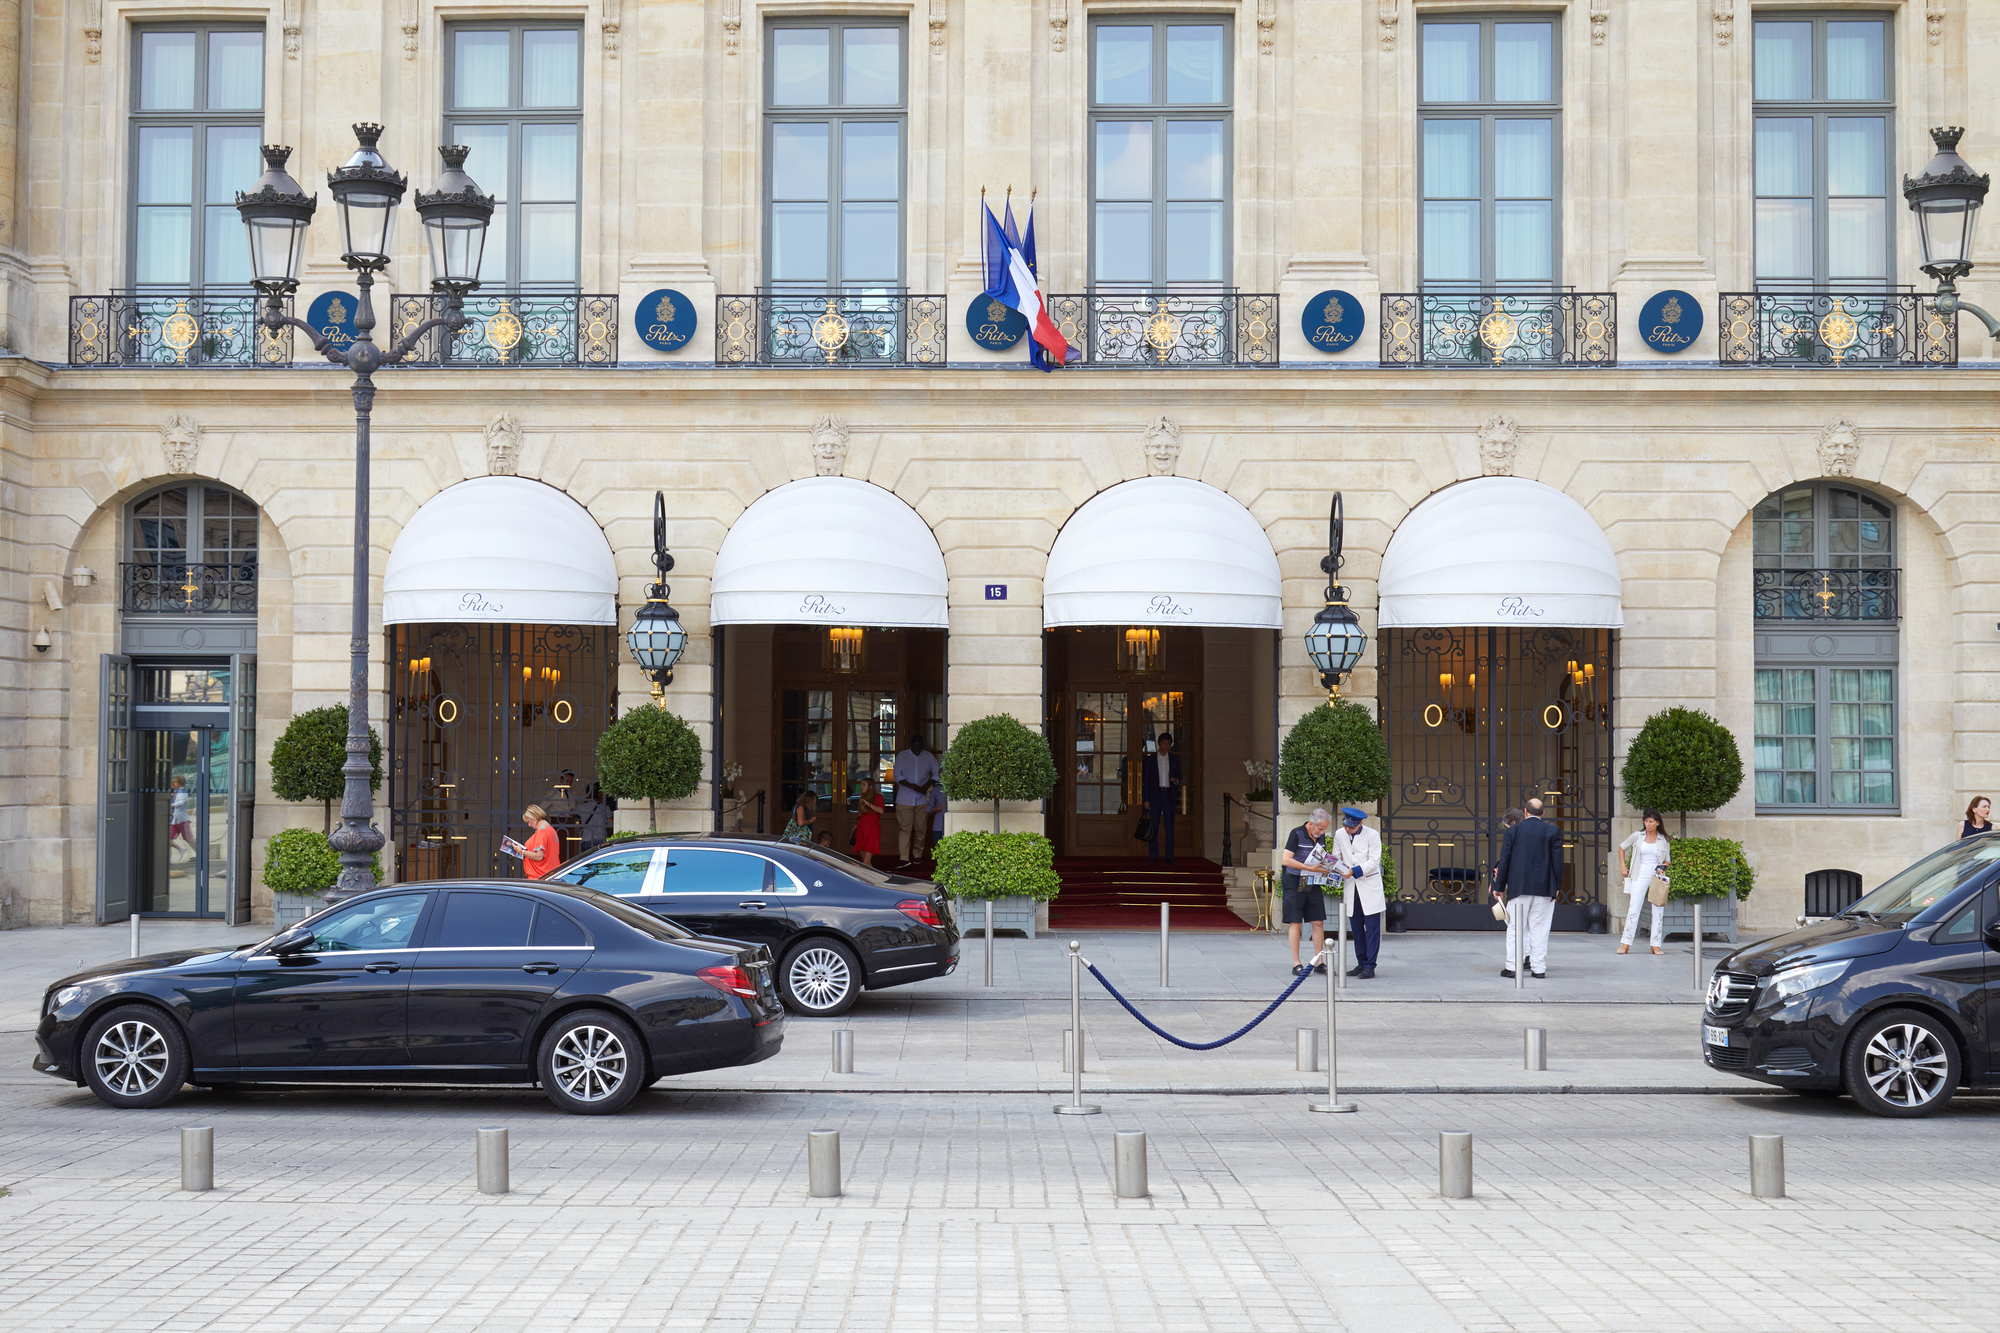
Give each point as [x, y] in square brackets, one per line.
[836, 741]
[1103, 783]
[184, 821]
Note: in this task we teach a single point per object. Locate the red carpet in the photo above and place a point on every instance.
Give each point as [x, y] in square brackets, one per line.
[1125, 893]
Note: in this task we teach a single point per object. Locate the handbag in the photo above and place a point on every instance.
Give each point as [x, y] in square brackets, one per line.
[1657, 891]
[1143, 830]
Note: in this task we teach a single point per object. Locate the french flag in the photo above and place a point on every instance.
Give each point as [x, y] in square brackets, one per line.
[1011, 281]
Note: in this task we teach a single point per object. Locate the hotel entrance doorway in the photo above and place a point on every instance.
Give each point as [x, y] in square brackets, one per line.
[1113, 694]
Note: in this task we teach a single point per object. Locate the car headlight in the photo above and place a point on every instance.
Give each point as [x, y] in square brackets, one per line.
[63, 997]
[1799, 980]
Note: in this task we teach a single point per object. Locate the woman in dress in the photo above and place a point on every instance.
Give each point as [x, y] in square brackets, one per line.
[868, 829]
[1638, 857]
[804, 814]
[1978, 818]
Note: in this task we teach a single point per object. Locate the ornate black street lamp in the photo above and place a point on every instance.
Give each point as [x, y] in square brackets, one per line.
[1335, 641]
[657, 638]
[276, 214]
[1946, 197]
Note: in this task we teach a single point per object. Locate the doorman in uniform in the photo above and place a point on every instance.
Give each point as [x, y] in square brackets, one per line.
[1357, 851]
[1162, 772]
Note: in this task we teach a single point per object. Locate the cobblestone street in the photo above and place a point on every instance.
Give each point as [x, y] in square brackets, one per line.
[357, 1211]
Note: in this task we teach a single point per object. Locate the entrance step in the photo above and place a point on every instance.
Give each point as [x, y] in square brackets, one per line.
[1112, 892]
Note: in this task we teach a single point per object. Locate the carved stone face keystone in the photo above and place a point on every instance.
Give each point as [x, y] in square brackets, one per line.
[1163, 446]
[1499, 438]
[1839, 449]
[829, 447]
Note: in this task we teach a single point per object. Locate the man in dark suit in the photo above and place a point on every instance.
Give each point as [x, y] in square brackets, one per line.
[1160, 778]
[1530, 874]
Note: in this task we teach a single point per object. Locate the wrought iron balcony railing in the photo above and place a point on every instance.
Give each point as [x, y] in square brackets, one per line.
[173, 331]
[1168, 328]
[828, 329]
[185, 589]
[512, 329]
[1492, 328]
[1835, 329]
[1826, 594]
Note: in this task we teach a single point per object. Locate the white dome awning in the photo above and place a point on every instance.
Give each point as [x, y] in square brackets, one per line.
[1500, 551]
[829, 551]
[1162, 551]
[501, 549]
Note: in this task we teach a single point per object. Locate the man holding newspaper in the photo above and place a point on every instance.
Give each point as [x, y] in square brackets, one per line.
[1313, 862]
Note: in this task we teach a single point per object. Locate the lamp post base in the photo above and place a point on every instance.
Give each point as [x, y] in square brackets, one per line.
[1332, 1108]
[1067, 1108]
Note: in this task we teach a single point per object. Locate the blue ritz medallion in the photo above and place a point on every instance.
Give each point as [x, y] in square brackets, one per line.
[664, 320]
[1333, 320]
[1670, 322]
[332, 317]
[994, 326]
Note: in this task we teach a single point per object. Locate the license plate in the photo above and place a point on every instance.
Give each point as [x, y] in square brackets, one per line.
[1715, 1036]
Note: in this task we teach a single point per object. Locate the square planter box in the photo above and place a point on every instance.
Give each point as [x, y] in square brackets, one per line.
[288, 909]
[1718, 917]
[1008, 914]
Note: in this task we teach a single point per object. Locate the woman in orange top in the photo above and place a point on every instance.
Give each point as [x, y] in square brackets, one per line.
[544, 852]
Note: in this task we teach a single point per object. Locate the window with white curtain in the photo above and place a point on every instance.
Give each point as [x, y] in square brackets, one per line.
[197, 117]
[514, 96]
[1823, 150]
[1159, 151]
[1490, 160]
[835, 115]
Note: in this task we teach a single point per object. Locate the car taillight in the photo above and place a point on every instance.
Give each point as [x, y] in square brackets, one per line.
[919, 909]
[729, 979]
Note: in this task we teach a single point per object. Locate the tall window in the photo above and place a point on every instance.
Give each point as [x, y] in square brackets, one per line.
[514, 97]
[1823, 165]
[1491, 118]
[835, 113]
[1159, 125]
[194, 525]
[197, 115]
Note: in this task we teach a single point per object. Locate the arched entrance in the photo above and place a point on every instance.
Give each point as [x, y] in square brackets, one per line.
[500, 604]
[1499, 605]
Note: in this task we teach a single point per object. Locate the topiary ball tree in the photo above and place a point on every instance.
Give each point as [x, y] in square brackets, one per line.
[998, 759]
[1334, 756]
[305, 763]
[1682, 759]
[649, 754]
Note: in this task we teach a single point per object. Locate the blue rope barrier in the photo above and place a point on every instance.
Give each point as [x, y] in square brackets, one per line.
[1269, 1009]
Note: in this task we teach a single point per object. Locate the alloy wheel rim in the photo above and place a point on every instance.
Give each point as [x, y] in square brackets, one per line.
[819, 978]
[589, 1063]
[1906, 1065]
[131, 1058]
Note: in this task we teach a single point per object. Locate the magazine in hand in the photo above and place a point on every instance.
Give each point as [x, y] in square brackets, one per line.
[513, 849]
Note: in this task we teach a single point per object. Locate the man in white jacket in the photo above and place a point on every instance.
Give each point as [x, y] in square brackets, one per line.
[1357, 851]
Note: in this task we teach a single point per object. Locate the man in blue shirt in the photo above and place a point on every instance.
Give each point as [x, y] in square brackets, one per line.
[1304, 883]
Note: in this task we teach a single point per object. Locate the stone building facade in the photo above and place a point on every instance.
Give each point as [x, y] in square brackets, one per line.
[1696, 463]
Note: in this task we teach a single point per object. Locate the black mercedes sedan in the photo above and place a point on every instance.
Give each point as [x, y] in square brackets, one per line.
[1896, 1001]
[439, 983]
[835, 926]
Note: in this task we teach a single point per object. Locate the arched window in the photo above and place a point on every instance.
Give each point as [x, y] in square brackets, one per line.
[191, 549]
[1826, 606]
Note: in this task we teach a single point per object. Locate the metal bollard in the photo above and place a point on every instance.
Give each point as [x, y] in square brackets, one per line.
[1075, 1040]
[491, 1151]
[1534, 1048]
[989, 941]
[197, 1157]
[1332, 1105]
[1767, 1166]
[1700, 981]
[1336, 966]
[1163, 946]
[1069, 1048]
[1308, 1061]
[135, 934]
[823, 1163]
[843, 1051]
[1454, 1164]
[1128, 1151]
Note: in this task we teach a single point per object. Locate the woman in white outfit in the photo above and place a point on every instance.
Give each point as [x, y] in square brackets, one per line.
[1638, 857]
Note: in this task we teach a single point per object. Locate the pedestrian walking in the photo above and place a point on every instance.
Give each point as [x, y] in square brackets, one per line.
[1531, 868]
[1978, 817]
[1162, 775]
[868, 828]
[1639, 858]
[180, 820]
[916, 772]
[1357, 852]
[1305, 863]
[1511, 817]
[805, 813]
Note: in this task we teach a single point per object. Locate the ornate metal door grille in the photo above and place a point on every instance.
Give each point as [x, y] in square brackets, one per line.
[1480, 720]
[485, 720]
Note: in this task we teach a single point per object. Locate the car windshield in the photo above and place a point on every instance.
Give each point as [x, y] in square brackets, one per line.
[636, 917]
[1928, 882]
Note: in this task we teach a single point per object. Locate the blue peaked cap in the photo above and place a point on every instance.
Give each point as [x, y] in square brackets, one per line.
[1349, 812]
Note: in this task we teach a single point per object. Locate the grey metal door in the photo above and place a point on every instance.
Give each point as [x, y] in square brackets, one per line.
[114, 788]
[242, 783]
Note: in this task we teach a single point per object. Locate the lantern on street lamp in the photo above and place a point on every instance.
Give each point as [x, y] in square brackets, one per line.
[455, 218]
[1946, 197]
[1335, 642]
[657, 637]
[366, 191]
[276, 213]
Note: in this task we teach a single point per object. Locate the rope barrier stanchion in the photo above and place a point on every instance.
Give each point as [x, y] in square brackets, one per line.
[1076, 1105]
[1333, 1105]
[1159, 1031]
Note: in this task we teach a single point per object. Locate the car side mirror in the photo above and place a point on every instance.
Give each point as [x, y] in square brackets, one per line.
[1993, 935]
[291, 941]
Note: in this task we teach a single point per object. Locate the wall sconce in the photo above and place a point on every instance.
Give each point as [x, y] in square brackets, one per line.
[1139, 652]
[845, 649]
[42, 639]
[82, 576]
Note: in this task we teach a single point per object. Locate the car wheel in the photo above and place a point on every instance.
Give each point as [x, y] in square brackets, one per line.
[1901, 1063]
[134, 1057]
[820, 977]
[591, 1063]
